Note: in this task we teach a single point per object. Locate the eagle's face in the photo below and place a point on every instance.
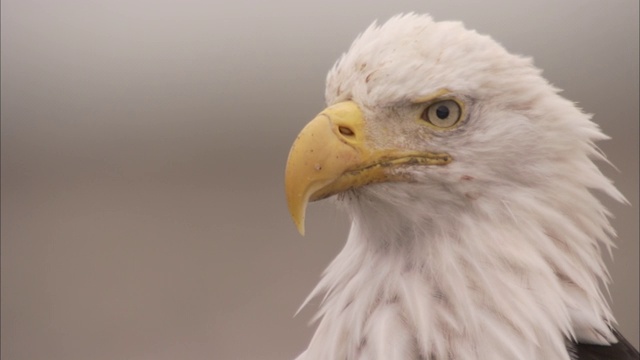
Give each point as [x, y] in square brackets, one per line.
[468, 180]
[440, 117]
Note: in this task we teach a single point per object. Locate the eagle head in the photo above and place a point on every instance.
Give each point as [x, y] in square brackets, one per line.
[468, 179]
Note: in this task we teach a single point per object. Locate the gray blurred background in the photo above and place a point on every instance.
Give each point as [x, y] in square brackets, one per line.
[143, 150]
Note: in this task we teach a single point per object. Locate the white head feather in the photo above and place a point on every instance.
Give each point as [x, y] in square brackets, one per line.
[494, 256]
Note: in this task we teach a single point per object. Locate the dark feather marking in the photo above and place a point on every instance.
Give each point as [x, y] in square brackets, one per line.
[623, 350]
[368, 78]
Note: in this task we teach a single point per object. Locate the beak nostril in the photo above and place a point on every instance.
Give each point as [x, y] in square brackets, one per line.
[345, 131]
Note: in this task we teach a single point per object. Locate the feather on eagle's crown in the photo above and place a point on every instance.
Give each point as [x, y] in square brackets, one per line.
[413, 54]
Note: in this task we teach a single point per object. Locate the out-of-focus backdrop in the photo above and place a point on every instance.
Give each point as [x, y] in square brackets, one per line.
[143, 150]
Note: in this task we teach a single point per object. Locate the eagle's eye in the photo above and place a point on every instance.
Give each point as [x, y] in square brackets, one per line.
[442, 114]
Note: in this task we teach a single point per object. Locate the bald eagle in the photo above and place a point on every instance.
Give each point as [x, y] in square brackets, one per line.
[468, 180]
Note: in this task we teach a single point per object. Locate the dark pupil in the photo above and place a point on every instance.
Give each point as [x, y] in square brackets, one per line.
[442, 112]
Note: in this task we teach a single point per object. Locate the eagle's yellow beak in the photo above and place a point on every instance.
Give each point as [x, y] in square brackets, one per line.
[332, 154]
